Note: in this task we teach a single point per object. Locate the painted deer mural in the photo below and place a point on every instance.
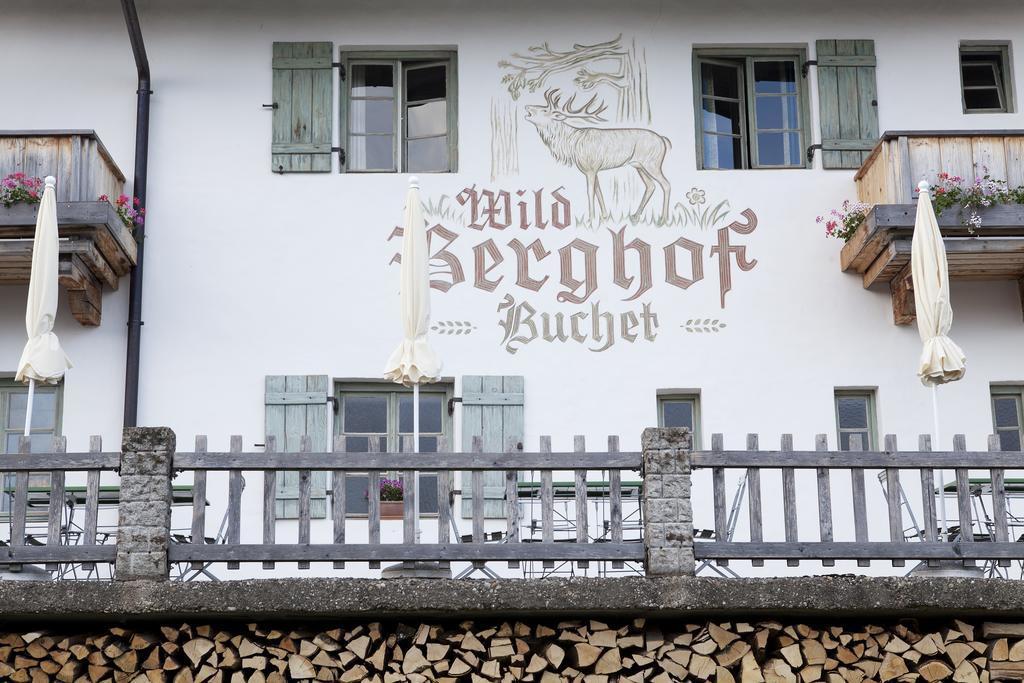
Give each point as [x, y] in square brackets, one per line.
[563, 129]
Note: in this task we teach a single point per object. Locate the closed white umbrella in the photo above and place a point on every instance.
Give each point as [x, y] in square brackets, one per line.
[43, 359]
[941, 360]
[414, 362]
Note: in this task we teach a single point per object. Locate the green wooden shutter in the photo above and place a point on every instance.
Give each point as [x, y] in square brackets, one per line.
[492, 408]
[296, 406]
[303, 92]
[847, 101]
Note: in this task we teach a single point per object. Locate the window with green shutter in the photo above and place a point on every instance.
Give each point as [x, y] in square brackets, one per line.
[399, 111]
[492, 409]
[1008, 416]
[751, 107]
[296, 406]
[303, 103]
[847, 101]
[680, 409]
[855, 415]
[46, 414]
[380, 413]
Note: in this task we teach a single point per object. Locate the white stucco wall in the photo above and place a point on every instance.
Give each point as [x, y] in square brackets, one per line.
[249, 273]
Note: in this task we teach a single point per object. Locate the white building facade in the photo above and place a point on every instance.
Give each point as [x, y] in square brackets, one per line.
[620, 203]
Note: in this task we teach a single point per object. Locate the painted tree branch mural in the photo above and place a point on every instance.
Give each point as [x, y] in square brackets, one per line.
[622, 68]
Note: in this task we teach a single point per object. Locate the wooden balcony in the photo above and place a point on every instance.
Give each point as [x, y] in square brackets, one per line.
[880, 249]
[96, 248]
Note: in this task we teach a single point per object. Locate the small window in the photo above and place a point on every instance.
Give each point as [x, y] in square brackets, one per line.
[985, 77]
[855, 414]
[45, 425]
[751, 109]
[1006, 417]
[383, 413]
[400, 112]
[680, 410]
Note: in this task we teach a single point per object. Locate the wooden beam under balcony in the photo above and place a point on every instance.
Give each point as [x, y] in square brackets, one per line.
[96, 250]
[879, 251]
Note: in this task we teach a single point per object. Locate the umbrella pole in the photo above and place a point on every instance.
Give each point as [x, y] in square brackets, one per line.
[935, 447]
[416, 449]
[28, 406]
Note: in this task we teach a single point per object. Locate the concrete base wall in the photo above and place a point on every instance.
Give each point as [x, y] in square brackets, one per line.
[824, 597]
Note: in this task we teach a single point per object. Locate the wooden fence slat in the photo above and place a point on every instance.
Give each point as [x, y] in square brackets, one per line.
[718, 491]
[615, 500]
[338, 498]
[373, 501]
[444, 502]
[512, 501]
[860, 508]
[410, 508]
[92, 503]
[362, 462]
[477, 504]
[55, 515]
[305, 496]
[894, 498]
[421, 552]
[19, 509]
[235, 484]
[963, 497]
[547, 502]
[580, 448]
[269, 499]
[198, 533]
[1000, 531]
[789, 498]
[824, 499]
[754, 499]
[928, 507]
[837, 460]
[877, 550]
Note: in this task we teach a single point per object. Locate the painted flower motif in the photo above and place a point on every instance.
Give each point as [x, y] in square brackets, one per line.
[695, 196]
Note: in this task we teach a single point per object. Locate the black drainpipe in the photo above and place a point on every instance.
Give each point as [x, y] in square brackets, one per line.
[131, 371]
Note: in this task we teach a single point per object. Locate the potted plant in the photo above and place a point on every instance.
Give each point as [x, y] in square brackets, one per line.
[18, 187]
[391, 494]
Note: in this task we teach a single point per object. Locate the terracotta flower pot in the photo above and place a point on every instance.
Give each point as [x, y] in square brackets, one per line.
[392, 509]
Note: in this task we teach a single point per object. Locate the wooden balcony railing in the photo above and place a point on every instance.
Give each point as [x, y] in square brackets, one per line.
[880, 249]
[96, 249]
[898, 521]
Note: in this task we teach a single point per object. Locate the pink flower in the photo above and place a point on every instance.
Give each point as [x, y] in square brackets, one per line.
[104, 198]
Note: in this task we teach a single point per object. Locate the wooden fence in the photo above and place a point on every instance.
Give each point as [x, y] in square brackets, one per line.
[480, 547]
[40, 483]
[930, 544]
[46, 490]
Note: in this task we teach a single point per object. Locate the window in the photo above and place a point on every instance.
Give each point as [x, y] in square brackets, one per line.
[45, 416]
[45, 424]
[855, 414]
[678, 409]
[985, 77]
[751, 108]
[383, 413]
[399, 112]
[1006, 416]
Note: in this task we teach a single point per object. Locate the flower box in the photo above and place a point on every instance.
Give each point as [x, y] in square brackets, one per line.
[392, 509]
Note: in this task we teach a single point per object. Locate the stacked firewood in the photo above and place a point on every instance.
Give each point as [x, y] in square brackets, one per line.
[578, 651]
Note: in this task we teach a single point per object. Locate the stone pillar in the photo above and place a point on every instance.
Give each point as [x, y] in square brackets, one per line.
[668, 515]
[144, 526]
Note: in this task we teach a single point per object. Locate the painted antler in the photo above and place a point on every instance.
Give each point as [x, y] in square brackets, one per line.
[552, 98]
[590, 110]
